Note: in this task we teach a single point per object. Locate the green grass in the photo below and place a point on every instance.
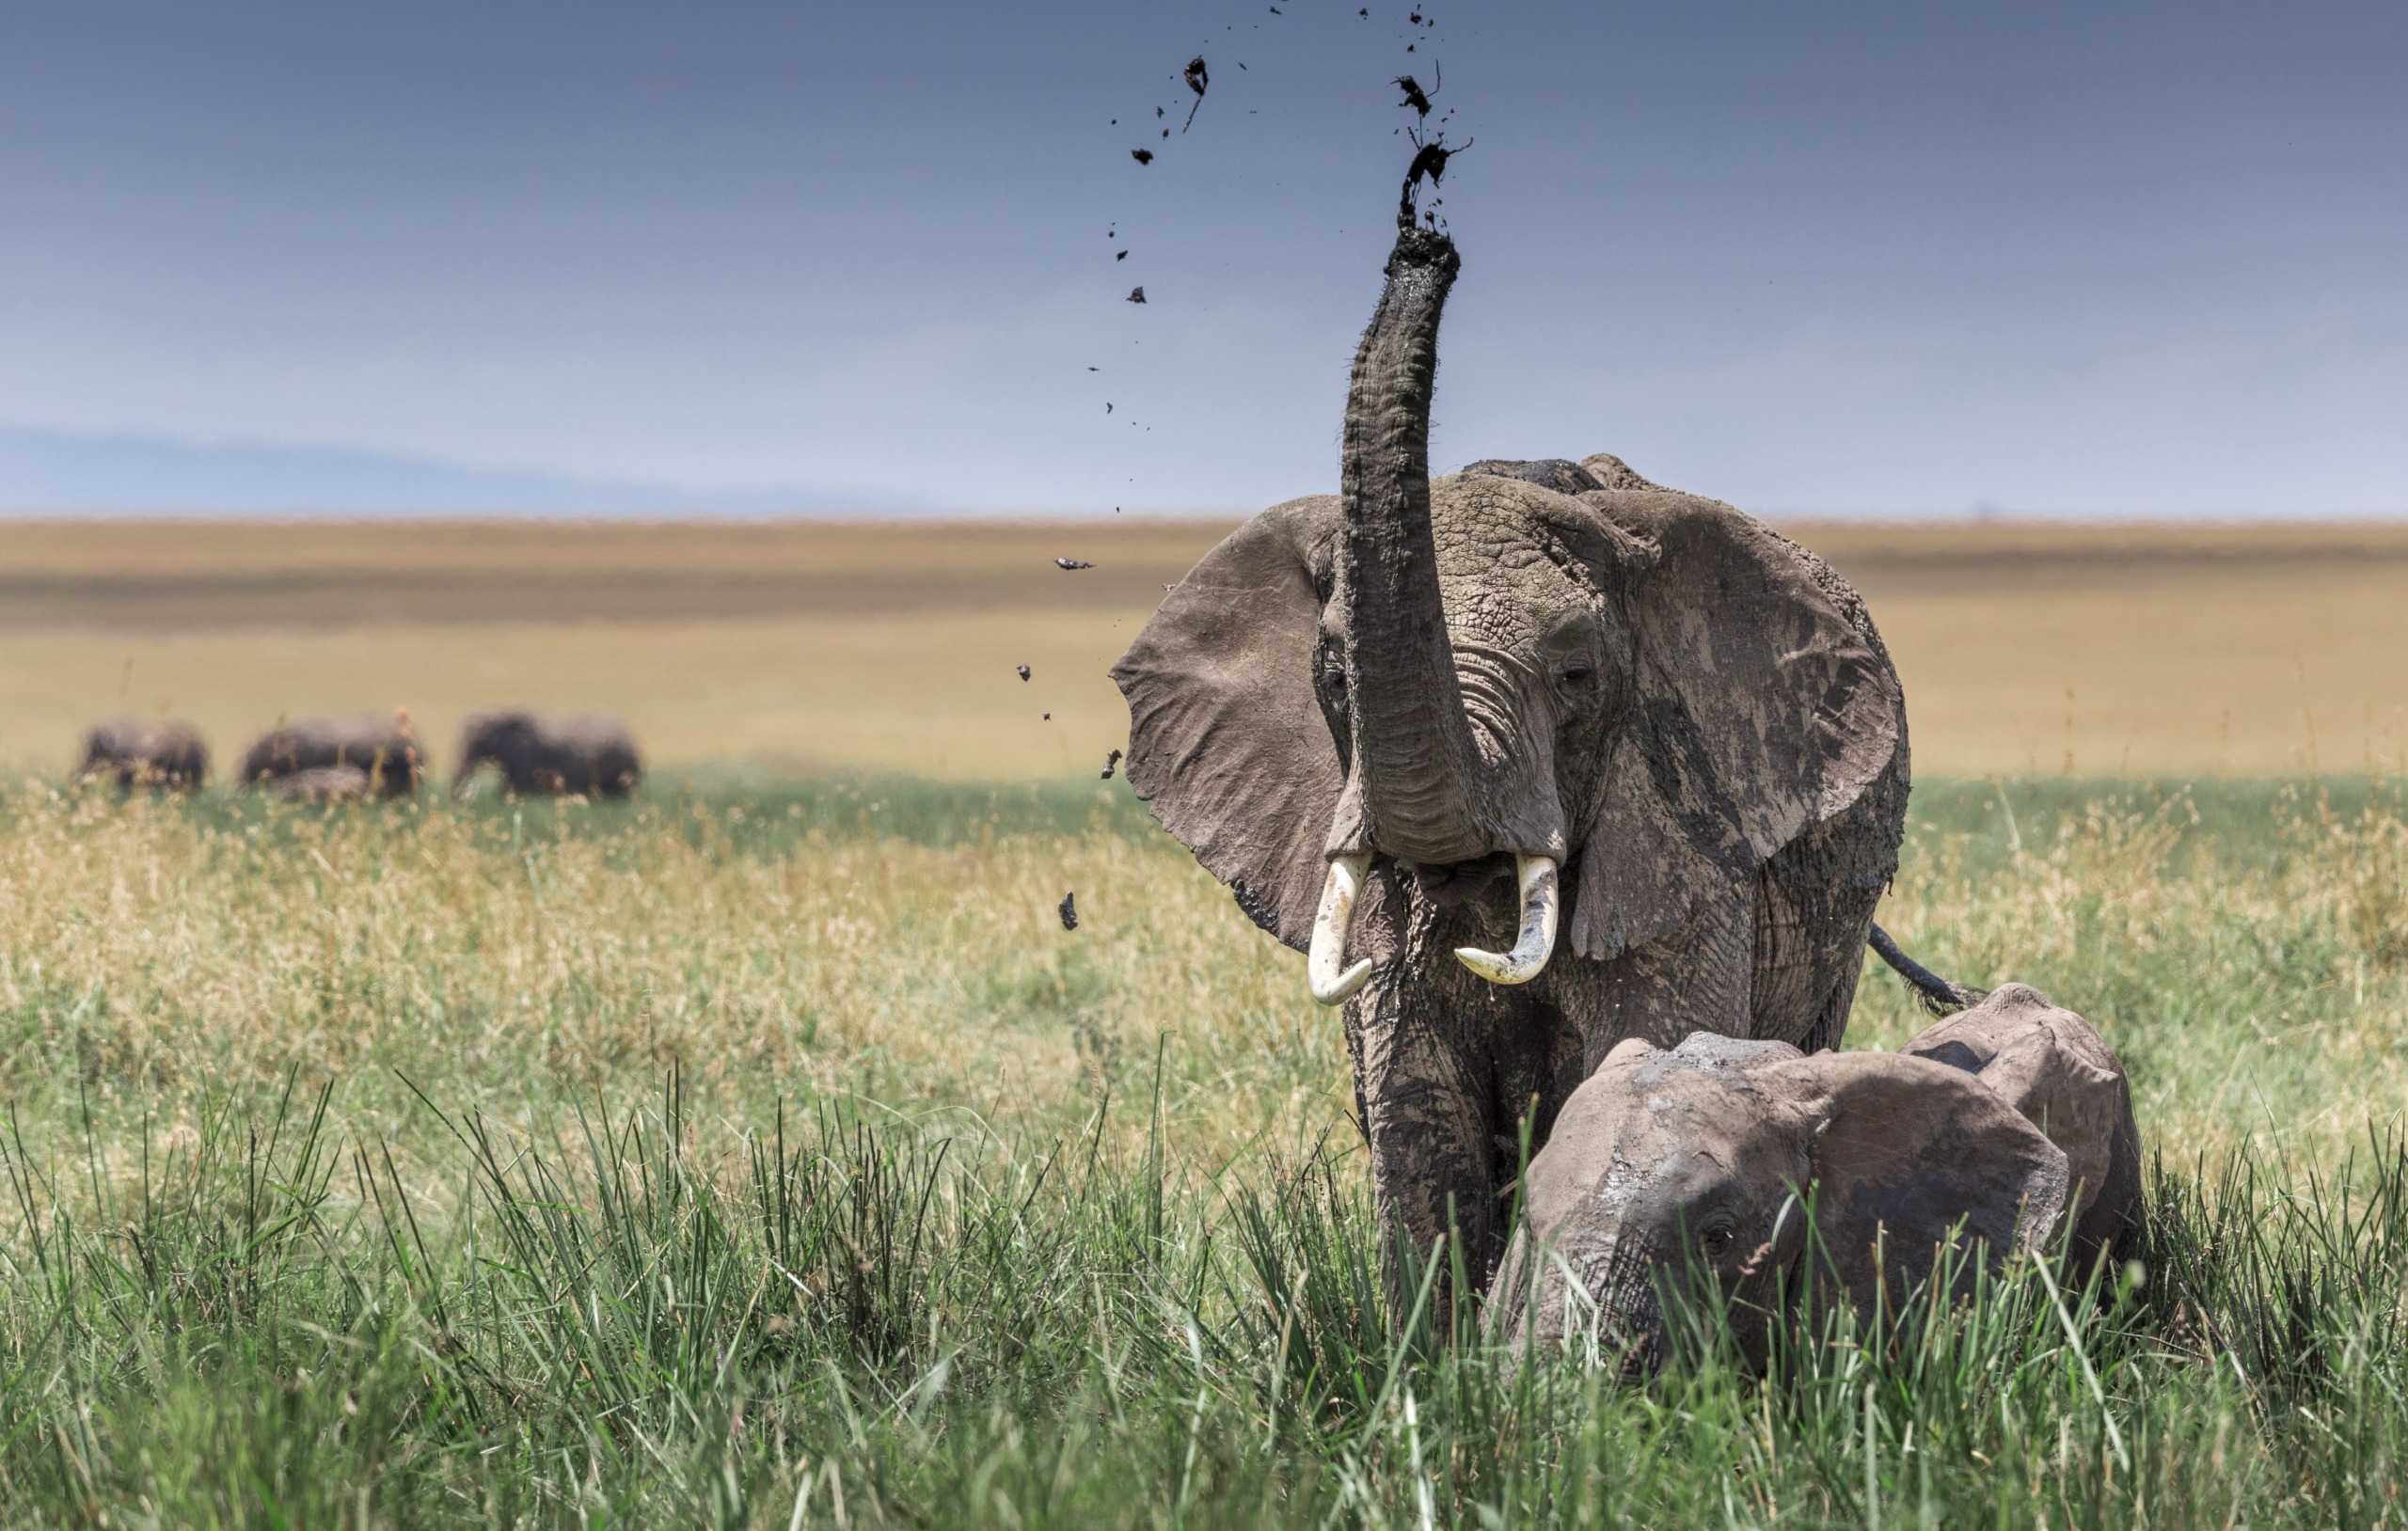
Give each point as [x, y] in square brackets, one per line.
[765, 1153]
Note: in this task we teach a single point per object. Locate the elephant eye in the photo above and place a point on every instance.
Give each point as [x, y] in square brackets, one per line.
[1579, 679]
[1715, 1237]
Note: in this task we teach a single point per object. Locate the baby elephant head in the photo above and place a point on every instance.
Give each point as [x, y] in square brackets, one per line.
[1706, 1161]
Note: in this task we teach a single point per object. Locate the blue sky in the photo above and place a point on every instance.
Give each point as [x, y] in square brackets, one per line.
[2094, 260]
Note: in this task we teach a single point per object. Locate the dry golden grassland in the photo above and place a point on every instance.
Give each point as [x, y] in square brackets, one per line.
[2025, 649]
[2109, 651]
[2244, 947]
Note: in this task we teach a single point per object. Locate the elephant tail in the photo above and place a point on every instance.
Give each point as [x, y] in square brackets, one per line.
[1936, 994]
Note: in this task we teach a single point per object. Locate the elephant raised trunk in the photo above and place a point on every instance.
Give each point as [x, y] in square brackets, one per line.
[1417, 763]
[1413, 755]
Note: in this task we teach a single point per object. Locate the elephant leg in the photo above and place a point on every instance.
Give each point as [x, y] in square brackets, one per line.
[1426, 1115]
[1445, 1066]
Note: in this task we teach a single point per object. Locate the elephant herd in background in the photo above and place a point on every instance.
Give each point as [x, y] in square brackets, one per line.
[1578, 793]
[327, 759]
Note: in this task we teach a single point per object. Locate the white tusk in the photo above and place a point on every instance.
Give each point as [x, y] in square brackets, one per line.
[1528, 960]
[1331, 925]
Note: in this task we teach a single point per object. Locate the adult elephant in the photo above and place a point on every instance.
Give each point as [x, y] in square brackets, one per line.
[537, 753]
[1431, 730]
[385, 748]
[135, 752]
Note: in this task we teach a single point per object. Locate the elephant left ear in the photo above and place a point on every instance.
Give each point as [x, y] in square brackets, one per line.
[1227, 736]
[1909, 1155]
[1766, 704]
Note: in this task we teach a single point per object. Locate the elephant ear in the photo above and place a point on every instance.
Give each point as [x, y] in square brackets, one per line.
[1907, 1150]
[1763, 706]
[1227, 736]
[2059, 1074]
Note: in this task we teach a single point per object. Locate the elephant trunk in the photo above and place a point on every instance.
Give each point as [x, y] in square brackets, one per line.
[1413, 755]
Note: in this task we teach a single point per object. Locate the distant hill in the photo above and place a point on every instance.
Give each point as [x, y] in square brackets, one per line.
[43, 469]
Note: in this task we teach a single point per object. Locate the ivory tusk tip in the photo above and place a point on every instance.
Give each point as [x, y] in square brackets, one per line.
[1345, 986]
[1498, 967]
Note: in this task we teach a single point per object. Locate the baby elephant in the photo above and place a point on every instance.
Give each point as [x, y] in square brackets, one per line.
[146, 754]
[538, 752]
[385, 750]
[2012, 1118]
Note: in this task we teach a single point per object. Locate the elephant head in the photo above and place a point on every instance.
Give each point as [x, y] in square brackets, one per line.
[1628, 698]
[1706, 1161]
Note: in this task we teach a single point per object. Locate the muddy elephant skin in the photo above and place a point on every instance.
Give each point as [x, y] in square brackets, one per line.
[384, 747]
[2055, 1070]
[1655, 749]
[539, 753]
[1715, 1160]
[135, 753]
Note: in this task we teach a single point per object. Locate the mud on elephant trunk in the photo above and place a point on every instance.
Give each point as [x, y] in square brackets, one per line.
[1413, 789]
[1412, 757]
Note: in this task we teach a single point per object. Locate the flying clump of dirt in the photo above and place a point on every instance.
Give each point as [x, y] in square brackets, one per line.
[1198, 77]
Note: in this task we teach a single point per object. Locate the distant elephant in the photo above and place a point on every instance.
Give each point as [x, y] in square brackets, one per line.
[1701, 1160]
[136, 753]
[1423, 729]
[384, 747]
[538, 752]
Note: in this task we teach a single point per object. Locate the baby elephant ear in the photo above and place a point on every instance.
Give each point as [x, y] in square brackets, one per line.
[1907, 1150]
[2059, 1075]
[1227, 736]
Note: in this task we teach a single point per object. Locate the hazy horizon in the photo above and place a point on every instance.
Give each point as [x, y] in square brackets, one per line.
[2133, 262]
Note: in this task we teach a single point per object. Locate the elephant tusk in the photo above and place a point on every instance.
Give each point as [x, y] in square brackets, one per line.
[1536, 944]
[1331, 924]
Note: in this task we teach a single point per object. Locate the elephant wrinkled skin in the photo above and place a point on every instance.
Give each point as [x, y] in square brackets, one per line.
[1534, 758]
[1736, 1161]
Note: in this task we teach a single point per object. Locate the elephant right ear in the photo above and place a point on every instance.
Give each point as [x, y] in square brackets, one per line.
[1907, 1149]
[1227, 736]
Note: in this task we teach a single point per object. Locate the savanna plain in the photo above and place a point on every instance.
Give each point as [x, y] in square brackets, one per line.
[764, 1152]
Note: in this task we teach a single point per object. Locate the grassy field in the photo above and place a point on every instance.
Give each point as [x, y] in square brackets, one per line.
[2026, 650]
[765, 1153]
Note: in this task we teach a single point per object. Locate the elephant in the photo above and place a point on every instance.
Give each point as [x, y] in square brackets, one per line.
[539, 753]
[1431, 731]
[166, 754]
[387, 750]
[1739, 1162]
